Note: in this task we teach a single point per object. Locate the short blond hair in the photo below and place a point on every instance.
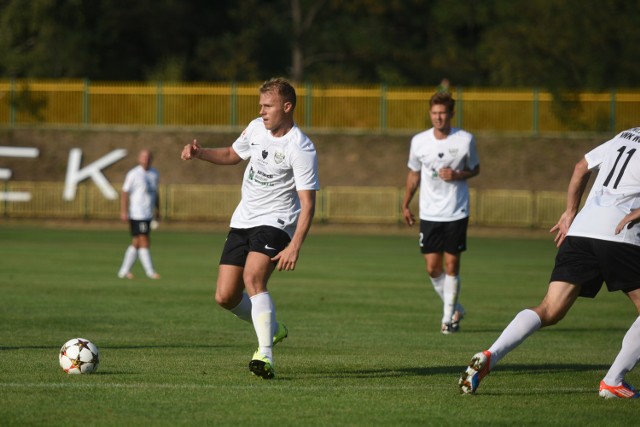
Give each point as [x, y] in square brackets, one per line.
[282, 87]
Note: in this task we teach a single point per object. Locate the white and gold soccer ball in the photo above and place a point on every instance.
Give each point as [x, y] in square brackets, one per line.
[79, 356]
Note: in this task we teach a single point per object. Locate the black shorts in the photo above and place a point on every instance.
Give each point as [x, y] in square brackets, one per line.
[450, 237]
[139, 227]
[264, 239]
[589, 262]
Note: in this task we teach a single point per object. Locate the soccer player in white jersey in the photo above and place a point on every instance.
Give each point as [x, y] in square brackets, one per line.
[273, 218]
[600, 243]
[441, 160]
[139, 205]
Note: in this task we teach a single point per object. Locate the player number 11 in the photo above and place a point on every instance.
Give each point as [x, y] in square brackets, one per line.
[621, 151]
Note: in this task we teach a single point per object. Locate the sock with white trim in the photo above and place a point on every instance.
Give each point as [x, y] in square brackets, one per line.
[130, 256]
[263, 314]
[524, 324]
[145, 259]
[243, 310]
[628, 356]
[451, 289]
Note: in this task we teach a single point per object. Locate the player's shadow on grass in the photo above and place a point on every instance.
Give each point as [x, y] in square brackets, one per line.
[554, 329]
[542, 368]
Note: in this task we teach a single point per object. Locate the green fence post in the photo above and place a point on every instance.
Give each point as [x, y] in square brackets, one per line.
[85, 191]
[159, 104]
[234, 105]
[308, 105]
[5, 210]
[85, 102]
[165, 214]
[612, 111]
[460, 109]
[383, 106]
[536, 111]
[12, 103]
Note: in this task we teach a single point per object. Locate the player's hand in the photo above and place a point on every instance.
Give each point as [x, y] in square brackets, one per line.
[446, 174]
[408, 216]
[562, 228]
[286, 259]
[191, 151]
[629, 220]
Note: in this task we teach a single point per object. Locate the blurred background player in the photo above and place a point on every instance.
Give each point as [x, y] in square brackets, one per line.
[441, 159]
[600, 243]
[139, 204]
[274, 215]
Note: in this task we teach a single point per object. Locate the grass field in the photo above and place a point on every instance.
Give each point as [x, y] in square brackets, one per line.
[364, 346]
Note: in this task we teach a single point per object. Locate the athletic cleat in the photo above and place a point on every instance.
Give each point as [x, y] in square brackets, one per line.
[261, 367]
[126, 276]
[478, 369]
[154, 276]
[458, 315]
[447, 328]
[280, 334]
[622, 391]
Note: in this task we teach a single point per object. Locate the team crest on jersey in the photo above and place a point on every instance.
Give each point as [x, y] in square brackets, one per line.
[278, 157]
[440, 155]
[265, 153]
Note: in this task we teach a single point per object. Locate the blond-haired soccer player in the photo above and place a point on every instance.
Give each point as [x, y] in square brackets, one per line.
[274, 215]
[600, 243]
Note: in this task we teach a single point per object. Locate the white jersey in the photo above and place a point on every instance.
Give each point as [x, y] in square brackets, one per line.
[278, 168]
[142, 186]
[615, 191]
[441, 200]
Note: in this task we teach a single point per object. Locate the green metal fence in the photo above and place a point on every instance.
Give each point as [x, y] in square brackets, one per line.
[339, 205]
[320, 107]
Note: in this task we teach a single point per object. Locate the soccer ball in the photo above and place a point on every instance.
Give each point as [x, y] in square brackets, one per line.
[79, 356]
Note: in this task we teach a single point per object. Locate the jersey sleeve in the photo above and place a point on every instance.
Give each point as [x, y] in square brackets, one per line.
[242, 145]
[128, 182]
[596, 156]
[414, 162]
[473, 160]
[305, 169]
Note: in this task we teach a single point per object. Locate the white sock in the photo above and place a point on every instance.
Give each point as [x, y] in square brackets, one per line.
[438, 285]
[243, 310]
[263, 314]
[145, 259]
[628, 356]
[451, 289]
[524, 324]
[130, 256]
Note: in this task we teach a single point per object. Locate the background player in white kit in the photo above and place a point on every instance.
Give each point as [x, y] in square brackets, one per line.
[441, 159]
[600, 243]
[140, 204]
[272, 220]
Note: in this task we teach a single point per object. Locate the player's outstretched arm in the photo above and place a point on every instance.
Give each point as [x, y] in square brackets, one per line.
[218, 156]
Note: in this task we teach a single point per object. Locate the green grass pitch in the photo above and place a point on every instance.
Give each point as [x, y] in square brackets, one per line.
[364, 346]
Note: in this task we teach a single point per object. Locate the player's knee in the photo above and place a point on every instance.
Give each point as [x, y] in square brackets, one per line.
[549, 316]
[225, 301]
[434, 271]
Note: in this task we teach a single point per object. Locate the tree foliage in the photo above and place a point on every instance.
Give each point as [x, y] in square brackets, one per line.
[573, 44]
